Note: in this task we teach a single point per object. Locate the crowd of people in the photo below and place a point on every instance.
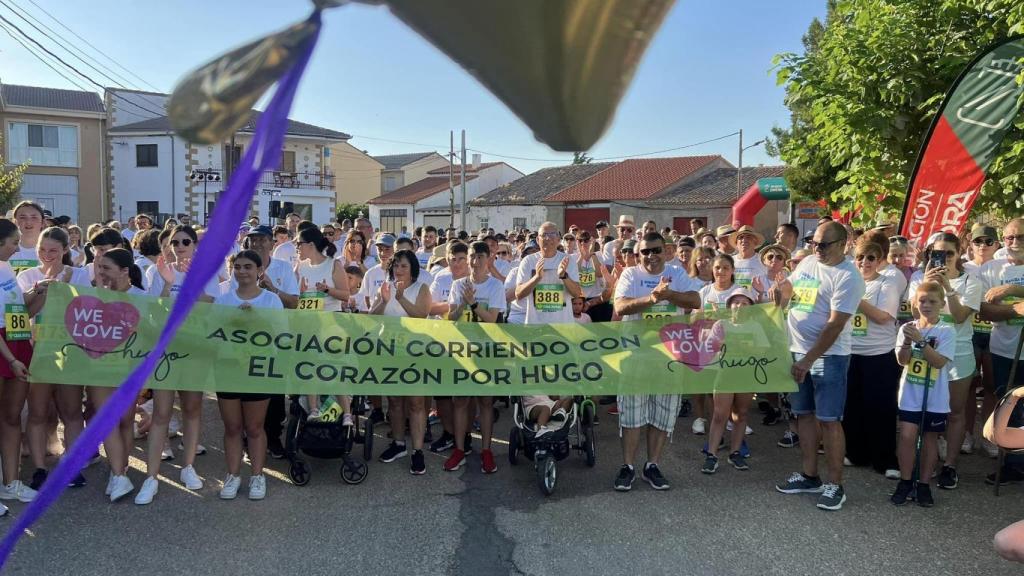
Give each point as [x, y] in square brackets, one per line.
[889, 340]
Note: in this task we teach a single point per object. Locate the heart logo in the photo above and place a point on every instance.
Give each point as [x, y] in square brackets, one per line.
[99, 327]
[695, 344]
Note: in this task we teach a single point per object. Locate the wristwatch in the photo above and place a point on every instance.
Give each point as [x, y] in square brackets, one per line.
[563, 275]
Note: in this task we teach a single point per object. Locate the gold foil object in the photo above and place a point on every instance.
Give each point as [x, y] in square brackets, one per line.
[214, 101]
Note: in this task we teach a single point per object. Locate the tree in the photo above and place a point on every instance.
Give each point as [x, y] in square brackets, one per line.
[581, 158]
[10, 182]
[866, 89]
[352, 211]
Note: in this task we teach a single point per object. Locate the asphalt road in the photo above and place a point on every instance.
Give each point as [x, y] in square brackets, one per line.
[466, 523]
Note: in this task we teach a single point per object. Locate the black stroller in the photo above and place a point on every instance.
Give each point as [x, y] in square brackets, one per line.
[328, 440]
[577, 433]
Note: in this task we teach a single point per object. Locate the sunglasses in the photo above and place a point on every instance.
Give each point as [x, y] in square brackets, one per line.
[627, 230]
[869, 257]
[502, 253]
[774, 257]
[821, 245]
[649, 251]
[301, 242]
[985, 241]
[186, 242]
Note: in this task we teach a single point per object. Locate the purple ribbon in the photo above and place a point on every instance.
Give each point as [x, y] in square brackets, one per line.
[263, 154]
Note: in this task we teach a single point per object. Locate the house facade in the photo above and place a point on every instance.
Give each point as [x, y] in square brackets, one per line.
[60, 134]
[357, 175]
[404, 169]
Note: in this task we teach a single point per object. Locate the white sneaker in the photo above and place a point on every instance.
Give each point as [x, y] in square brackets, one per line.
[167, 454]
[314, 416]
[110, 484]
[968, 446]
[943, 447]
[122, 486]
[846, 461]
[200, 449]
[17, 491]
[991, 449]
[728, 425]
[749, 431]
[230, 489]
[892, 474]
[346, 419]
[699, 426]
[190, 479]
[258, 487]
[173, 427]
[149, 489]
[3, 510]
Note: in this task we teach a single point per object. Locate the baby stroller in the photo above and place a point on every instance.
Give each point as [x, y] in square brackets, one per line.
[576, 433]
[328, 440]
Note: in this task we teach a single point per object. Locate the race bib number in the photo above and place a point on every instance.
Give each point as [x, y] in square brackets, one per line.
[981, 326]
[21, 264]
[661, 310]
[469, 316]
[805, 294]
[919, 371]
[860, 324]
[1013, 321]
[904, 315]
[330, 410]
[548, 297]
[16, 321]
[312, 300]
[947, 318]
[745, 280]
[587, 278]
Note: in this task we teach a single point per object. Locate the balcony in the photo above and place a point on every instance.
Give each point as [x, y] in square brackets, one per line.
[279, 179]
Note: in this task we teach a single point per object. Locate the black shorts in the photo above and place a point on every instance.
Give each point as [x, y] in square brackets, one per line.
[934, 422]
[981, 341]
[243, 396]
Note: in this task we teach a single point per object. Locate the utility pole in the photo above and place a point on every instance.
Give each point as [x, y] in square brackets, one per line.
[462, 183]
[451, 174]
[739, 173]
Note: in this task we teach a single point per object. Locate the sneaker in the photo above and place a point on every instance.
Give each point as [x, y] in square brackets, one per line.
[772, 418]
[173, 427]
[948, 479]
[832, 497]
[614, 410]
[710, 464]
[77, 482]
[38, 477]
[149, 489]
[846, 461]
[800, 484]
[275, 448]
[991, 449]
[903, 490]
[738, 461]
[167, 454]
[418, 466]
[257, 487]
[924, 495]
[455, 461]
[3, 510]
[230, 489]
[821, 448]
[652, 474]
[685, 407]
[699, 426]
[376, 415]
[541, 431]
[314, 416]
[968, 446]
[190, 479]
[487, 464]
[559, 415]
[121, 487]
[346, 419]
[467, 444]
[17, 491]
[744, 449]
[624, 481]
[444, 443]
[790, 439]
[1009, 476]
[943, 447]
[200, 449]
[110, 483]
[394, 452]
[748, 431]
[892, 474]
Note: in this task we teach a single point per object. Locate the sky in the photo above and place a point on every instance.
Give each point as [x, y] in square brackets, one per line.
[706, 74]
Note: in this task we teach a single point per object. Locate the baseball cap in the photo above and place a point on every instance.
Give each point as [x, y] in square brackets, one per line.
[982, 231]
[261, 231]
[629, 245]
[385, 240]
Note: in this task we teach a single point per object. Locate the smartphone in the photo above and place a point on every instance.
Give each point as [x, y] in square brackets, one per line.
[937, 258]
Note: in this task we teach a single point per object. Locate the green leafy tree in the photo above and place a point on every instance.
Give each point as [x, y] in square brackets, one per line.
[10, 183]
[581, 158]
[352, 211]
[866, 89]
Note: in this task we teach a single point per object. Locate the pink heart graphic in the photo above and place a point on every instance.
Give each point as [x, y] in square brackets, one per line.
[99, 327]
[694, 344]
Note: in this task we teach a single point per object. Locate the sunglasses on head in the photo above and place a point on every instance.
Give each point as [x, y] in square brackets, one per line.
[869, 257]
[186, 242]
[985, 241]
[649, 251]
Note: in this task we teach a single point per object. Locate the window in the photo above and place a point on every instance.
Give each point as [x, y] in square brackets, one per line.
[392, 220]
[42, 144]
[391, 182]
[288, 161]
[145, 155]
[519, 223]
[483, 223]
[151, 209]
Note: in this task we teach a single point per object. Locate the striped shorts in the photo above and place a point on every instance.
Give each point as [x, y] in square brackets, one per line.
[658, 410]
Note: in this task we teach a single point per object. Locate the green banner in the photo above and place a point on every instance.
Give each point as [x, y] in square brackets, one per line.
[95, 337]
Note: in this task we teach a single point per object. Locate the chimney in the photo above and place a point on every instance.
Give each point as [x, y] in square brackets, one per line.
[476, 162]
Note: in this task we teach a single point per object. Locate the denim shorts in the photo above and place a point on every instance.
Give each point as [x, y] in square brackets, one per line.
[823, 391]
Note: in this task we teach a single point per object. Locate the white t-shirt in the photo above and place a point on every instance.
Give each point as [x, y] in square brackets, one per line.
[424, 256]
[583, 318]
[911, 396]
[279, 272]
[635, 282]
[24, 259]
[550, 293]
[971, 291]
[591, 280]
[372, 281]
[749, 268]
[817, 291]
[287, 252]
[1004, 334]
[869, 338]
[266, 299]
[516, 308]
[490, 295]
[441, 287]
[711, 297]
[10, 291]
[28, 278]
[128, 234]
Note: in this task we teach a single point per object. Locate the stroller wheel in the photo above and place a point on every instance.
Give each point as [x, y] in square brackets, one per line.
[354, 471]
[547, 473]
[299, 473]
[368, 439]
[513, 446]
[587, 428]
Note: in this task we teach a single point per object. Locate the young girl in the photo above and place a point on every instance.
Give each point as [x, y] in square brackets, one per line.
[77, 252]
[115, 270]
[924, 347]
[245, 411]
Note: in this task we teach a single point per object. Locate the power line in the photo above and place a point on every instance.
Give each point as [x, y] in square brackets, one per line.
[87, 43]
[708, 141]
[43, 60]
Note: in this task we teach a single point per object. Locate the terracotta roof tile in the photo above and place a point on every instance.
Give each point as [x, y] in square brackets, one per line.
[634, 179]
[533, 188]
[716, 188]
[412, 193]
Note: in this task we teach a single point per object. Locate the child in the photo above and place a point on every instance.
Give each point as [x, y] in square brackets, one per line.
[544, 409]
[924, 348]
[577, 312]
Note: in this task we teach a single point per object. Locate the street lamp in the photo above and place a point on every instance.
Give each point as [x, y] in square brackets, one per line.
[204, 176]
